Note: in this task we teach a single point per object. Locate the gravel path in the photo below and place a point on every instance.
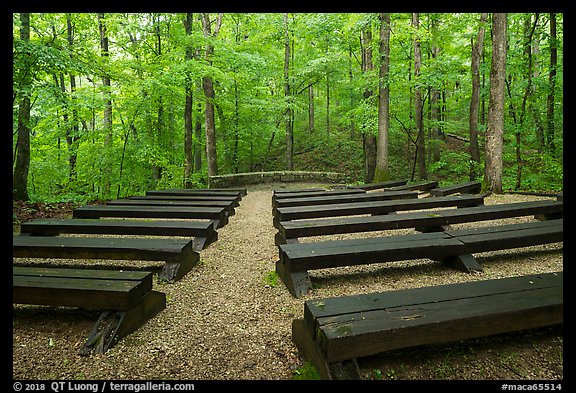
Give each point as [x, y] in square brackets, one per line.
[226, 321]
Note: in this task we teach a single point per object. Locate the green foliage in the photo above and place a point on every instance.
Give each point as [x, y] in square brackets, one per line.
[271, 279]
[306, 372]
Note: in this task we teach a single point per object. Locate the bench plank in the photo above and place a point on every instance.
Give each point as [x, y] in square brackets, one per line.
[424, 185]
[421, 221]
[471, 187]
[202, 231]
[373, 207]
[219, 215]
[178, 254]
[376, 186]
[233, 200]
[452, 247]
[336, 330]
[228, 205]
[347, 198]
[126, 298]
[307, 194]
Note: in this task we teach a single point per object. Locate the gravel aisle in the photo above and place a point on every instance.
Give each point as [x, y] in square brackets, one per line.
[224, 321]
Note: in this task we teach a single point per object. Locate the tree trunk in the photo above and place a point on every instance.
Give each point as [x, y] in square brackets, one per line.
[207, 84]
[22, 166]
[311, 108]
[289, 111]
[107, 118]
[477, 49]
[72, 131]
[188, 111]
[368, 138]
[382, 172]
[550, 136]
[495, 126]
[420, 141]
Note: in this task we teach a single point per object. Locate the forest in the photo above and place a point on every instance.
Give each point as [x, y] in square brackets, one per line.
[108, 105]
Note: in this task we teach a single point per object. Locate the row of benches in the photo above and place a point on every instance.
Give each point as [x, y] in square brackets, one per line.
[336, 331]
[126, 297]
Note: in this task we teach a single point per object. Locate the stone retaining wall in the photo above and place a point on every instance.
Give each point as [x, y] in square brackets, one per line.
[240, 179]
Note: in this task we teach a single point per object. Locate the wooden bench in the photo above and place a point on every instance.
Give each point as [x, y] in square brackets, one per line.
[425, 185]
[373, 207]
[336, 331]
[203, 232]
[228, 205]
[433, 221]
[471, 187]
[307, 194]
[349, 198]
[217, 214]
[452, 247]
[376, 186]
[126, 298]
[197, 192]
[178, 255]
[234, 200]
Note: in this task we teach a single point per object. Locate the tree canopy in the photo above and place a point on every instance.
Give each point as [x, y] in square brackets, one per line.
[316, 75]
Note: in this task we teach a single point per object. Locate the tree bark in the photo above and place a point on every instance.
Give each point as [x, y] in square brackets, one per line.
[495, 126]
[550, 135]
[477, 49]
[22, 166]
[287, 95]
[420, 141]
[207, 84]
[188, 110]
[382, 172]
[107, 118]
[368, 138]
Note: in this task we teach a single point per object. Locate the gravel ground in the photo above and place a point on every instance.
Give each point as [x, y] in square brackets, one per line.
[226, 320]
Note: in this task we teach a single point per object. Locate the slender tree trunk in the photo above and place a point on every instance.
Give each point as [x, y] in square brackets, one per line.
[550, 136]
[421, 140]
[477, 49]
[22, 166]
[107, 118]
[210, 125]
[287, 95]
[495, 126]
[188, 110]
[311, 108]
[72, 131]
[198, 140]
[382, 172]
[435, 114]
[368, 138]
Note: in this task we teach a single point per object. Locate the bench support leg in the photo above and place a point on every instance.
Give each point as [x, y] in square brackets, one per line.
[297, 283]
[549, 216]
[466, 263]
[114, 325]
[279, 240]
[175, 270]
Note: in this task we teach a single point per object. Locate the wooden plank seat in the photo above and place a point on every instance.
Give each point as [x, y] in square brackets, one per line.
[440, 220]
[228, 205]
[372, 207]
[203, 232]
[126, 298]
[452, 247]
[307, 194]
[349, 198]
[297, 190]
[196, 192]
[425, 185]
[335, 332]
[178, 255]
[233, 200]
[376, 186]
[471, 187]
[217, 214]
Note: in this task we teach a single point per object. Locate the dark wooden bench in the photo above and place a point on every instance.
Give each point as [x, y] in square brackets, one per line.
[452, 247]
[433, 221]
[126, 298]
[348, 198]
[228, 205]
[471, 187]
[374, 207]
[336, 331]
[234, 200]
[178, 255]
[376, 186]
[217, 214]
[308, 194]
[425, 185]
[203, 232]
[197, 192]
